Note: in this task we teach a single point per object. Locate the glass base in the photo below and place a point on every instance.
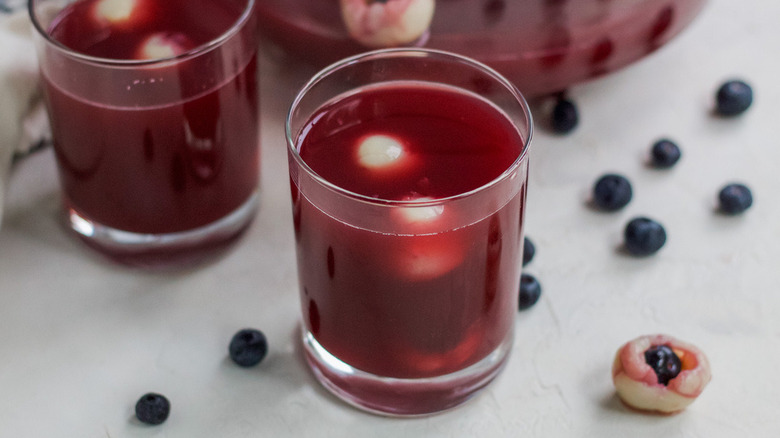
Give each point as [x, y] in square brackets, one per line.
[402, 397]
[163, 250]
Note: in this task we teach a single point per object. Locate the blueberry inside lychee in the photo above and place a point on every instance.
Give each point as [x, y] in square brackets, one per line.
[664, 362]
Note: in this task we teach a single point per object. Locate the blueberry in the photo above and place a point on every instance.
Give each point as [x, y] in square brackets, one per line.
[248, 347]
[565, 116]
[152, 408]
[664, 362]
[733, 98]
[643, 236]
[529, 250]
[665, 153]
[735, 198]
[530, 291]
[612, 192]
[494, 9]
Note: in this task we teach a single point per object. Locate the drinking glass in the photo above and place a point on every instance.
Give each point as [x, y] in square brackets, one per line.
[408, 305]
[158, 157]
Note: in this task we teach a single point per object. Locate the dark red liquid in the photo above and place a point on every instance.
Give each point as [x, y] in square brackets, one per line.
[541, 45]
[84, 27]
[436, 295]
[160, 149]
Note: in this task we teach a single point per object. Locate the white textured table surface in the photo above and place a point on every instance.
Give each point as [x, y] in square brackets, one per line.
[81, 339]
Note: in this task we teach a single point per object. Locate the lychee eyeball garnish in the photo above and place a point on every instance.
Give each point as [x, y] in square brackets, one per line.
[424, 258]
[164, 45]
[658, 373]
[118, 12]
[387, 23]
[422, 214]
[115, 10]
[379, 151]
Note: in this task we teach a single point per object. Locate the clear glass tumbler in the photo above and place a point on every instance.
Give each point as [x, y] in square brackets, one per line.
[408, 173]
[157, 141]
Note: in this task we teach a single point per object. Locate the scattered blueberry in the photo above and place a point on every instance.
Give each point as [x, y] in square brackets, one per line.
[248, 347]
[733, 98]
[664, 362]
[530, 291]
[665, 153]
[152, 408]
[643, 236]
[529, 250]
[565, 116]
[612, 192]
[735, 198]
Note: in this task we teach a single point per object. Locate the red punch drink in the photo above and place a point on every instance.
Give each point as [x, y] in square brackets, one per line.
[408, 205]
[425, 300]
[154, 113]
[542, 46]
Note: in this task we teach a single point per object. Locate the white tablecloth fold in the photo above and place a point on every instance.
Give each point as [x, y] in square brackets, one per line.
[23, 120]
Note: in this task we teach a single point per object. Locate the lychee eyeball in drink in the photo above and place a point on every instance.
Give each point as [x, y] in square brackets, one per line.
[164, 45]
[124, 13]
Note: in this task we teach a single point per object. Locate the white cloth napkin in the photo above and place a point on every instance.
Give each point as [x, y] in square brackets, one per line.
[23, 121]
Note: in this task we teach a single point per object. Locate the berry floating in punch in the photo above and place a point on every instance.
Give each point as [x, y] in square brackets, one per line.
[733, 98]
[248, 347]
[658, 373]
[152, 408]
[493, 10]
[611, 192]
[387, 23]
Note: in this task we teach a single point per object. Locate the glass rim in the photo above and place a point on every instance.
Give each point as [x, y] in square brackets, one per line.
[419, 52]
[191, 53]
